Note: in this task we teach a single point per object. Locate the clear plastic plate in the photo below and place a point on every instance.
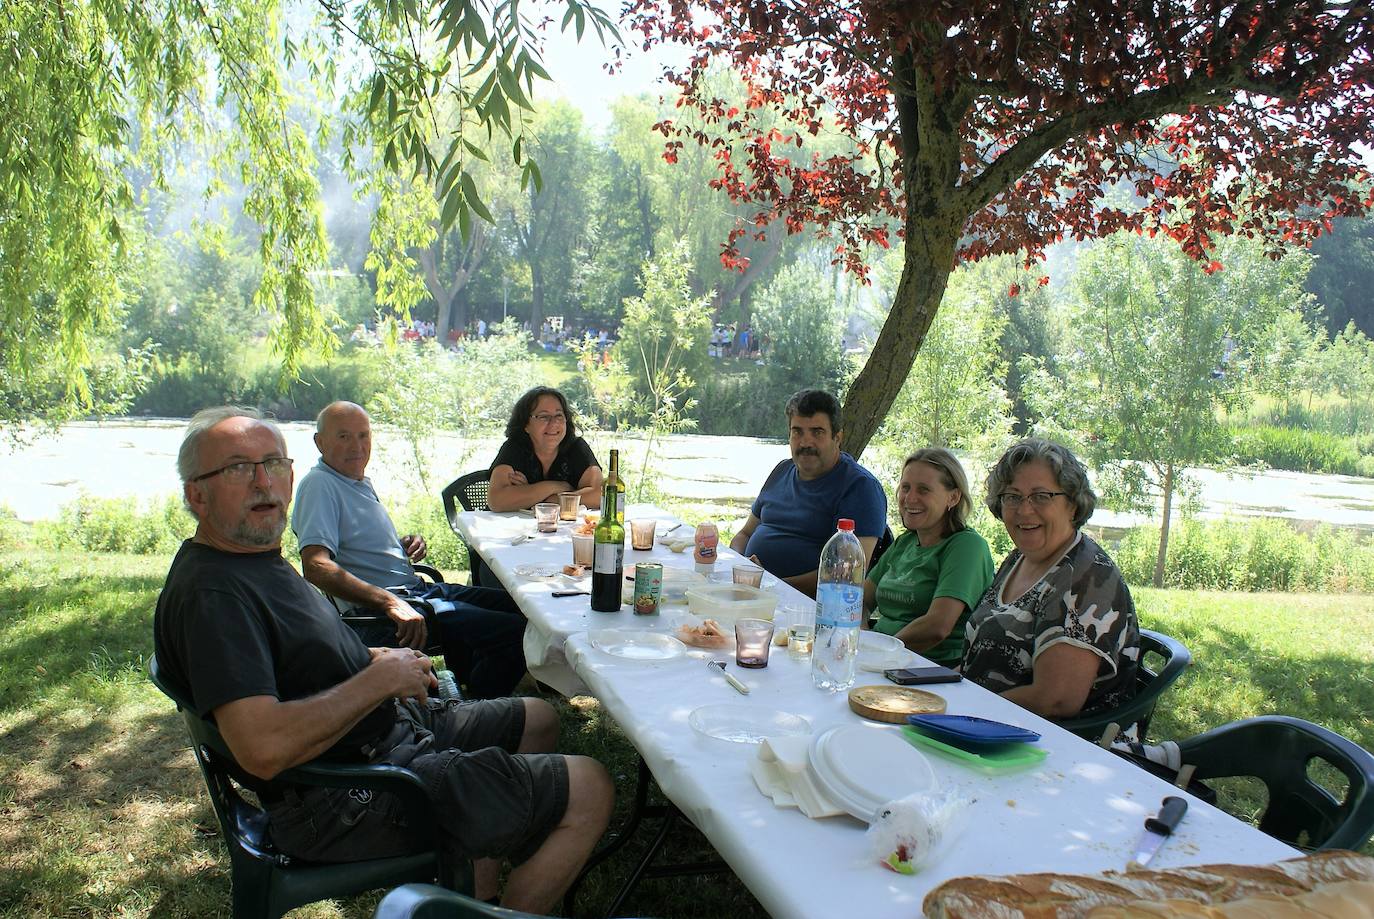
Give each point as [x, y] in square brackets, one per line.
[637, 645]
[743, 723]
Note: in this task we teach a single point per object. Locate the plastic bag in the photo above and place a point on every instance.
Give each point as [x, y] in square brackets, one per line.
[908, 831]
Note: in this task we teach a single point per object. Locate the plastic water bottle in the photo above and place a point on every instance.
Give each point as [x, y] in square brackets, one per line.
[448, 686]
[839, 608]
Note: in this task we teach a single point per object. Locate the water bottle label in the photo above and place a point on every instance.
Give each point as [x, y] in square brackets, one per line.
[839, 605]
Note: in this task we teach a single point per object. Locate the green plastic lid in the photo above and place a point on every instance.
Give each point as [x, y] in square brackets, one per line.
[991, 760]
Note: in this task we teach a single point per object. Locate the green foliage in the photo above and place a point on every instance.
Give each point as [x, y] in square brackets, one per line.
[1302, 450]
[1343, 274]
[125, 525]
[426, 388]
[423, 513]
[663, 338]
[1252, 554]
[1154, 347]
[797, 312]
[954, 395]
[13, 533]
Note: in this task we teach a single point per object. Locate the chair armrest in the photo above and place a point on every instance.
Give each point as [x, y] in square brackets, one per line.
[396, 780]
[429, 571]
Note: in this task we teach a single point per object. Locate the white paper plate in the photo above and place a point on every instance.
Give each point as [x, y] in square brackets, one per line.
[743, 723]
[538, 572]
[637, 645]
[862, 768]
[875, 662]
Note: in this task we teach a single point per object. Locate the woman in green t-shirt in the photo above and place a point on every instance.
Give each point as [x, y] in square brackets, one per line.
[932, 575]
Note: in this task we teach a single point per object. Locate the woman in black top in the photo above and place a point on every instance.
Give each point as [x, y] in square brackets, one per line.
[542, 456]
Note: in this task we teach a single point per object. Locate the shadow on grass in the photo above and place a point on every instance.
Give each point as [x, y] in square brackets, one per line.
[1333, 690]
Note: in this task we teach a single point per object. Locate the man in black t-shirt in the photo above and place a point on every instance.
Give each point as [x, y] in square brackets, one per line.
[259, 651]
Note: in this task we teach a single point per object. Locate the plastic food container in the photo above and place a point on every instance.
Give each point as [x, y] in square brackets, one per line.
[728, 602]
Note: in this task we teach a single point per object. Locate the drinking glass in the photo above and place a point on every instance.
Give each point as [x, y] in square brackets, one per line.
[546, 517]
[642, 534]
[584, 549]
[567, 505]
[753, 638]
[748, 574]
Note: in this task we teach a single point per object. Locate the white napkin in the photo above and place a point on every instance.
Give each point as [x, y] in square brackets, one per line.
[781, 772]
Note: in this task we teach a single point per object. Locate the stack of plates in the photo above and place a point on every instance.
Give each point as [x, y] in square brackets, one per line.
[988, 746]
[861, 768]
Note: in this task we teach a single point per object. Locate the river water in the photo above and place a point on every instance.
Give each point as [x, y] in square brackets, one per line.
[138, 458]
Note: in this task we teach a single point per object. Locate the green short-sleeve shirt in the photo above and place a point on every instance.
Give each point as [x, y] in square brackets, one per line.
[910, 576]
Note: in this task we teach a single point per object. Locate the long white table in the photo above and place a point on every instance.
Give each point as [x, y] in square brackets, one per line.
[553, 619]
[1081, 810]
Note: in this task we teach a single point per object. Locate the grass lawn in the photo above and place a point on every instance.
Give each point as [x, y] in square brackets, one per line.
[102, 811]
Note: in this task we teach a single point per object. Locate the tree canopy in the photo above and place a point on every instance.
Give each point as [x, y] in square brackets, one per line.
[97, 98]
[985, 128]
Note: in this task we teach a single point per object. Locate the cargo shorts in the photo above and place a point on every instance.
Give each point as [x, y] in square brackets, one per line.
[488, 800]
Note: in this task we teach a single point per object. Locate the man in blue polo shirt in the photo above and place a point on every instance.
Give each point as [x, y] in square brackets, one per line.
[350, 550]
[797, 510]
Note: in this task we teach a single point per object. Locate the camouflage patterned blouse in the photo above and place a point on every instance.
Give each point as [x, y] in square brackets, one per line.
[1083, 601]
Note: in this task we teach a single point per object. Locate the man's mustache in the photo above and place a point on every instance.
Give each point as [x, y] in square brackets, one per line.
[807, 451]
[262, 497]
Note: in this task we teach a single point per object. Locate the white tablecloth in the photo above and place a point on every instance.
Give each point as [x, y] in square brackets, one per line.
[1081, 810]
[553, 619]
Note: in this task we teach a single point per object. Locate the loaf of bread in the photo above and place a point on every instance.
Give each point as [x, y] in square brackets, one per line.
[1337, 900]
[1068, 896]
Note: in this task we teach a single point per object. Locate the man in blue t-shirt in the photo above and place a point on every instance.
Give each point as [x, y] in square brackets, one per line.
[797, 510]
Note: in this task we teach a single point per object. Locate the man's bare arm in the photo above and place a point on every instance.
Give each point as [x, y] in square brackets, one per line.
[740, 540]
[267, 735]
[320, 569]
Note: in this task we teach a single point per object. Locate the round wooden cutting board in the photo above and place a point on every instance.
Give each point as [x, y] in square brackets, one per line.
[893, 703]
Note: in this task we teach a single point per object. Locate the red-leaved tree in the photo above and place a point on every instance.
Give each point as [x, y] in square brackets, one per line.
[990, 127]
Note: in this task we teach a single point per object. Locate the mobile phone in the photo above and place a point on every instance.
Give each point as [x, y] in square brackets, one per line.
[918, 676]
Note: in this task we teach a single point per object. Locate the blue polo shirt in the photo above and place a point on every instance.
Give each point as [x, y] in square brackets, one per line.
[345, 516]
[796, 517]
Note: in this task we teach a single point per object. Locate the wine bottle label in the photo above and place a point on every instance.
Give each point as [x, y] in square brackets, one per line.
[610, 558]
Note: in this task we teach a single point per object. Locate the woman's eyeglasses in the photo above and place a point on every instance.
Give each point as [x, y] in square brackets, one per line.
[546, 418]
[1037, 499]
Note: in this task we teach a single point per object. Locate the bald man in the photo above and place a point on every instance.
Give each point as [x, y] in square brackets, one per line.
[350, 549]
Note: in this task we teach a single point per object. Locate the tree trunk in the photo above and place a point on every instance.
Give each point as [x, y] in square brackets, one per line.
[926, 266]
[536, 296]
[1164, 526]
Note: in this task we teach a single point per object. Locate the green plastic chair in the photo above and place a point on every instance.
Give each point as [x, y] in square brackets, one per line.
[265, 882]
[1279, 750]
[1150, 685]
[425, 901]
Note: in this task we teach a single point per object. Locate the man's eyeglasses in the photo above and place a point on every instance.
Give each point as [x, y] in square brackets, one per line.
[1037, 499]
[276, 467]
[546, 418]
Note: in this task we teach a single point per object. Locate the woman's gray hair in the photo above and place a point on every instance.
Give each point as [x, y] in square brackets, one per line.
[952, 475]
[1068, 471]
[188, 457]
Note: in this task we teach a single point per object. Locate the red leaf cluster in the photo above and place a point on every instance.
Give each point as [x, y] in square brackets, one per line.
[1022, 124]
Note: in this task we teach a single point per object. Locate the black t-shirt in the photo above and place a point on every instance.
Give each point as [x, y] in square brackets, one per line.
[574, 458]
[232, 626]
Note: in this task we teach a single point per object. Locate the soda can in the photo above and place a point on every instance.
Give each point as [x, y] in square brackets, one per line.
[648, 588]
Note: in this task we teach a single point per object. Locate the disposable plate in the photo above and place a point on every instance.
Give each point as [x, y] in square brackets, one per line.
[862, 768]
[970, 732]
[538, 572]
[637, 645]
[743, 723]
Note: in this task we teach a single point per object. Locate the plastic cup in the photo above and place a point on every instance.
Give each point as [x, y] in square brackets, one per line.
[568, 502]
[753, 638]
[584, 549]
[748, 574]
[546, 517]
[642, 534]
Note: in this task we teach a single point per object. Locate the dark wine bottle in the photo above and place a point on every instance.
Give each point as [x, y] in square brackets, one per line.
[608, 564]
